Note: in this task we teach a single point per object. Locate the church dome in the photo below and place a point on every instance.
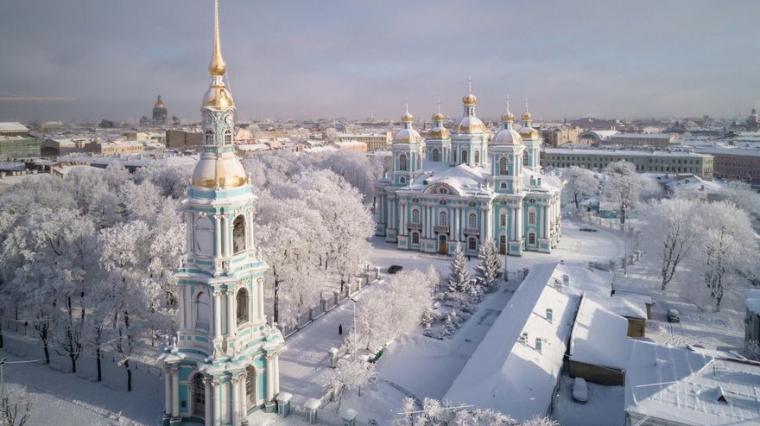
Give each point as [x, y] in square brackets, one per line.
[217, 96]
[529, 133]
[471, 124]
[508, 136]
[407, 135]
[470, 99]
[438, 117]
[224, 172]
[527, 116]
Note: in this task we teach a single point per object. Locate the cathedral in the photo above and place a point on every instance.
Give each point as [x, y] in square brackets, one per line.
[468, 186]
[223, 362]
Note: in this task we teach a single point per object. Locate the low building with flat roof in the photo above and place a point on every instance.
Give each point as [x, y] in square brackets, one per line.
[657, 140]
[17, 142]
[645, 161]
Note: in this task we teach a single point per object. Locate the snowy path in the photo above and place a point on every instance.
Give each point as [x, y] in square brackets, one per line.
[305, 360]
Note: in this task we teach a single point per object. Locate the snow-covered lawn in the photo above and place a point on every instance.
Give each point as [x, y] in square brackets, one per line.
[64, 399]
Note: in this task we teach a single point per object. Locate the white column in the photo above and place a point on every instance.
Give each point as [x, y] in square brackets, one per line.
[243, 397]
[260, 300]
[546, 221]
[513, 224]
[235, 401]
[217, 314]
[225, 405]
[270, 379]
[208, 413]
[402, 219]
[217, 402]
[256, 385]
[175, 392]
[231, 320]
[451, 216]
[168, 391]
[276, 374]
[218, 235]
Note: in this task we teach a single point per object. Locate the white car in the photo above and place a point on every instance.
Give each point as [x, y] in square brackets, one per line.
[580, 390]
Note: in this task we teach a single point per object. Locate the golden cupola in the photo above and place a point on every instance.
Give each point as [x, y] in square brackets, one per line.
[218, 166]
[438, 131]
[217, 95]
[407, 135]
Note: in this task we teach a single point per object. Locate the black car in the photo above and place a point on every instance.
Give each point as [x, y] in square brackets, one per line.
[587, 229]
[395, 268]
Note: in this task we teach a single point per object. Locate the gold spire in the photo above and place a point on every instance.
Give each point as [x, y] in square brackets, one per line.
[217, 67]
[407, 117]
[508, 117]
[527, 115]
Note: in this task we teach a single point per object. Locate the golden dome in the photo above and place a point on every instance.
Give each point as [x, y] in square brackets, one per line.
[407, 117]
[471, 124]
[159, 103]
[508, 117]
[438, 117]
[223, 172]
[470, 99]
[529, 133]
[438, 133]
[217, 96]
[527, 116]
[406, 136]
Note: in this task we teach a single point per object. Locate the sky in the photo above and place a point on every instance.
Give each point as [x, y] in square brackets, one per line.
[357, 58]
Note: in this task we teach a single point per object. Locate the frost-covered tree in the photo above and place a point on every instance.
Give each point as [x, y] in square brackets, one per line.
[437, 413]
[289, 233]
[459, 276]
[394, 308]
[489, 267]
[744, 197]
[15, 407]
[580, 183]
[622, 186]
[350, 373]
[669, 234]
[723, 253]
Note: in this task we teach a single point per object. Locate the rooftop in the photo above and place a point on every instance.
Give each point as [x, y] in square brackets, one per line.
[624, 152]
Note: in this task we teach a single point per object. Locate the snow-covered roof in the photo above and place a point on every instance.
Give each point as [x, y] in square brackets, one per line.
[600, 337]
[592, 282]
[517, 378]
[463, 178]
[752, 300]
[678, 386]
[12, 127]
[622, 152]
[627, 305]
[601, 134]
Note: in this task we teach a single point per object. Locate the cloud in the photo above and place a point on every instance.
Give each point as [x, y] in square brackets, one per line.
[352, 58]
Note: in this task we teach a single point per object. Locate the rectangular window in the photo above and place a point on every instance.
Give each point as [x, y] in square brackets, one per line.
[531, 218]
[472, 244]
[415, 238]
[503, 220]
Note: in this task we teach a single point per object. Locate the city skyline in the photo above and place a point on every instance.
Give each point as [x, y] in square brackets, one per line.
[355, 60]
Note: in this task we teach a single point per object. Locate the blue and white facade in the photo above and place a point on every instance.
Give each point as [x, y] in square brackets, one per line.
[224, 360]
[470, 187]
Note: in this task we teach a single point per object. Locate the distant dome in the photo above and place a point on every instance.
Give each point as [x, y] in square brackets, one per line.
[470, 99]
[438, 117]
[529, 133]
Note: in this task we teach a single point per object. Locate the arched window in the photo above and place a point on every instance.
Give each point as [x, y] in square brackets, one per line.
[477, 157]
[202, 311]
[227, 137]
[473, 220]
[242, 306]
[402, 162]
[525, 160]
[415, 217]
[503, 170]
[435, 155]
[442, 219]
[464, 157]
[402, 180]
[199, 396]
[209, 137]
[238, 234]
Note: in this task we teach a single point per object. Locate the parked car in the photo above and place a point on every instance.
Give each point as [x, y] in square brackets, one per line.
[580, 390]
[587, 229]
[394, 268]
[674, 315]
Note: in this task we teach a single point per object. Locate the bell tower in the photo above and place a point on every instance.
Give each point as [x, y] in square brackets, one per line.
[223, 362]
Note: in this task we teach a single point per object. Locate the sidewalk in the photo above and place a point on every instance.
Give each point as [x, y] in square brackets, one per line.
[305, 359]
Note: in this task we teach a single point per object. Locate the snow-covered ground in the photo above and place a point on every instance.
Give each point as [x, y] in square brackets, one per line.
[64, 399]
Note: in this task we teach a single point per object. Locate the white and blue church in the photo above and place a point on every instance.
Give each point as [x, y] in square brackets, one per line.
[224, 362]
[467, 186]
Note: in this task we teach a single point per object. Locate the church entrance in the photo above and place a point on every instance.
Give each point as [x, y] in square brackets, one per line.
[199, 396]
[503, 244]
[250, 386]
[443, 247]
